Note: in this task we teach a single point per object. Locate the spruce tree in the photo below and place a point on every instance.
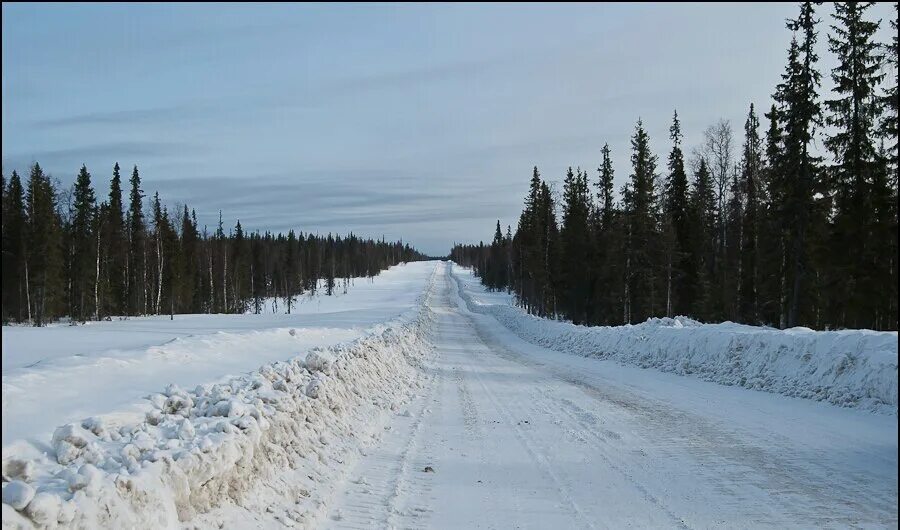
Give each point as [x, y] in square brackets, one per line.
[44, 262]
[83, 247]
[751, 223]
[549, 280]
[855, 276]
[641, 207]
[702, 247]
[14, 247]
[116, 248]
[890, 100]
[158, 257]
[136, 257]
[800, 111]
[675, 211]
[190, 293]
[290, 270]
[607, 255]
[575, 248]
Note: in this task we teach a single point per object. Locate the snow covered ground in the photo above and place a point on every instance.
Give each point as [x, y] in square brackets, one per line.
[61, 373]
[851, 368]
[440, 416]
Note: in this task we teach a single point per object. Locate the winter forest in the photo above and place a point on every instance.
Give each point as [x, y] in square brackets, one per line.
[771, 232]
[65, 255]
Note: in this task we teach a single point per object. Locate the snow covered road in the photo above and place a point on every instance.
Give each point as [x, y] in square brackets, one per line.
[519, 436]
[439, 415]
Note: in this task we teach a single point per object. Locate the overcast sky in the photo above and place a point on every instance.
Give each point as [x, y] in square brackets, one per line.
[419, 122]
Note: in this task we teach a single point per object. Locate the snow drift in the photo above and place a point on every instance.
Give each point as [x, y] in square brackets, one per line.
[199, 448]
[849, 368]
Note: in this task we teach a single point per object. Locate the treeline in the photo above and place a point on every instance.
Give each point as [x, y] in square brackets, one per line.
[773, 235]
[65, 255]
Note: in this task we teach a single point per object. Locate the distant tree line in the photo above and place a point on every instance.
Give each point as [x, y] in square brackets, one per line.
[65, 255]
[771, 234]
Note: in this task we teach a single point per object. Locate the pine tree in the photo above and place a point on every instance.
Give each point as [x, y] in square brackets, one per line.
[190, 293]
[290, 270]
[702, 248]
[607, 290]
[83, 247]
[575, 248]
[890, 101]
[675, 211]
[888, 216]
[158, 255]
[800, 114]
[136, 264]
[855, 278]
[641, 207]
[495, 273]
[751, 223]
[731, 280]
[115, 249]
[773, 288]
[526, 244]
[605, 186]
[44, 265]
[548, 282]
[240, 268]
[14, 247]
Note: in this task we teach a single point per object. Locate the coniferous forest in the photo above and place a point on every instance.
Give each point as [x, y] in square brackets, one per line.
[769, 232]
[66, 254]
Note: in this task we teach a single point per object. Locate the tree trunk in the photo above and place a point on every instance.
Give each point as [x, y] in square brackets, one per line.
[159, 269]
[27, 291]
[97, 281]
[211, 286]
[225, 281]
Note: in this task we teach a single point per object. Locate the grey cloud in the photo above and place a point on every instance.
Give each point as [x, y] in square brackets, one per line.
[128, 117]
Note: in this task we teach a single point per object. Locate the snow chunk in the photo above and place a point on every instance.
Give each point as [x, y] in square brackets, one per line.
[319, 361]
[17, 494]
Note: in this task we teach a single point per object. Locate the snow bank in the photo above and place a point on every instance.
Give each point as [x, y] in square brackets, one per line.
[199, 448]
[849, 368]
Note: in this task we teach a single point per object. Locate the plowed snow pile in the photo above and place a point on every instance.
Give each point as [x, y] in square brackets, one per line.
[215, 444]
[850, 368]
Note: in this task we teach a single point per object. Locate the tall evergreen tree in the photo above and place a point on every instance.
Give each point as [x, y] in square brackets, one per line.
[548, 282]
[290, 270]
[14, 247]
[44, 262]
[136, 264]
[641, 208]
[856, 280]
[83, 247]
[607, 289]
[751, 223]
[800, 111]
[701, 252]
[675, 211]
[116, 248]
[890, 100]
[575, 242]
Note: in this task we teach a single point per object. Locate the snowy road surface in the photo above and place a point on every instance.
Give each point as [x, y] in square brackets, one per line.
[519, 436]
[440, 415]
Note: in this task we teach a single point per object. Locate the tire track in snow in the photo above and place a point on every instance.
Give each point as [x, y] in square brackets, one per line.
[376, 498]
[530, 446]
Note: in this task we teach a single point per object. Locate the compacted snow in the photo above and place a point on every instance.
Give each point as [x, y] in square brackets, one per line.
[852, 368]
[446, 411]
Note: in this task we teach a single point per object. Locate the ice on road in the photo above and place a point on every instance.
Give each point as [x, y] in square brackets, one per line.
[512, 435]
